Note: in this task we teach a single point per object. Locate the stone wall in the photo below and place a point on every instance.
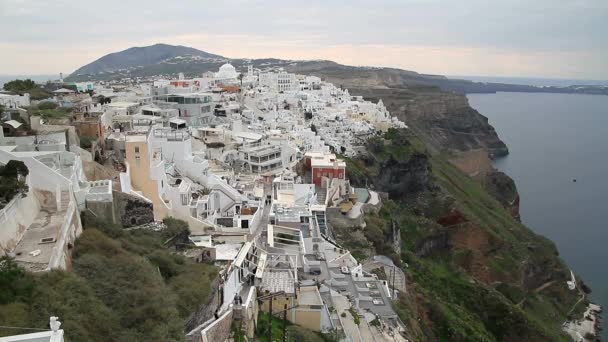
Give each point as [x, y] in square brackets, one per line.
[218, 330]
[205, 311]
[102, 209]
[15, 217]
[131, 210]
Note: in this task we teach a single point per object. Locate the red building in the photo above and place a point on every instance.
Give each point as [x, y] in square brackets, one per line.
[324, 164]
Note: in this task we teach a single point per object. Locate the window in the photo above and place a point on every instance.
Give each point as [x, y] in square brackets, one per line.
[137, 160]
[136, 149]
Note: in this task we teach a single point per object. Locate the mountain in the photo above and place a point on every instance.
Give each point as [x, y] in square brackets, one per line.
[169, 60]
[137, 57]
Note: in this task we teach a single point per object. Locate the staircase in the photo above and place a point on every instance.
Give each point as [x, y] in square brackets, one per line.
[321, 194]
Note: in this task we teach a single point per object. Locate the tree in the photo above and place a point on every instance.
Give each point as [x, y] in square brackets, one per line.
[19, 85]
[15, 283]
[301, 334]
[14, 169]
[47, 105]
[313, 128]
[86, 142]
[342, 149]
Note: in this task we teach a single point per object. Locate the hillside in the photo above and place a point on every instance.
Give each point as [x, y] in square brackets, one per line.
[123, 284]
[474, 272]
[169, 60]
[137, 57]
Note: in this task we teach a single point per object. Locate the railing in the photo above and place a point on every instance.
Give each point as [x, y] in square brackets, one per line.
[171, 135]
[10, 208]
[71, 219]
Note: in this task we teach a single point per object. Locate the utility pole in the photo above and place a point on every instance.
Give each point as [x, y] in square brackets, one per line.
[270, 321]
[285, 323]
[270, 296]
[393, 281]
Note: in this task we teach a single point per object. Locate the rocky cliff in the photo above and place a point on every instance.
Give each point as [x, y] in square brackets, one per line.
[474, 272]
[445, 121]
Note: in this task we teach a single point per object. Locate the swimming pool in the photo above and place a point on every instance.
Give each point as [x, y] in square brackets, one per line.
[362, 195]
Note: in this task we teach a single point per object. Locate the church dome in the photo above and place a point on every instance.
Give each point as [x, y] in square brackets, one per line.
[227, 71]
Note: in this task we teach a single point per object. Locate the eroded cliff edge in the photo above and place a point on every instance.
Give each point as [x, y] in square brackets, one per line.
[474, 271]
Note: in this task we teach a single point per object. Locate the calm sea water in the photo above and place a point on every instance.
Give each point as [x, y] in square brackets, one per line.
[553, 139]
[539, 82]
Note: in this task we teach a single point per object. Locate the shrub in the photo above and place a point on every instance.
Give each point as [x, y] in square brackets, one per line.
[47, 105]
[86, 142]
[16, 285]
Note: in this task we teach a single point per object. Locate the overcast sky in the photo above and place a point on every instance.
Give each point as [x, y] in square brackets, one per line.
[542, 38]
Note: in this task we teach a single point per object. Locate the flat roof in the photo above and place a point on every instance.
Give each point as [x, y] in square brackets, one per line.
[177, 121]
[275, 281]
[13, 123]
[248, 135]
[309, 295]
[227, 251]
[136, 137]
[188, 94]
[122, 104]
[35, 249]
[63, 91]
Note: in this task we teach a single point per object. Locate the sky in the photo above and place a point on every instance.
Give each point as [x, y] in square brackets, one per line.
[540, 38]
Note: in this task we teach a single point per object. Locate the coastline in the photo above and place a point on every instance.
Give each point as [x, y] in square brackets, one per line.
[587, 328]
[585, 324]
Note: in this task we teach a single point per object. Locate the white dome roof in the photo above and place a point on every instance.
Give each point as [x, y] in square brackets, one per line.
[227, 71]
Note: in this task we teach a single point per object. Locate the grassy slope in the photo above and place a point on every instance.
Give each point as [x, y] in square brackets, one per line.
[123, 284]
[447, 301]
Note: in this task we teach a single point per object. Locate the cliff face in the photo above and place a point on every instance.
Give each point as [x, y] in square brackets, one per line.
[502, 187]
[445, 121]
[475, 273]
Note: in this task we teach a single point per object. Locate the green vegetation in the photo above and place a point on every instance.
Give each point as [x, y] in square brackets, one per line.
[124, 284]
[12, 180]
[355, 315]
[49, 110]
[477, 279]
[58, 113]
[19, 85]
[263, 327]
[27, 86]
[87, 142]
[293, 332]
[46, 105]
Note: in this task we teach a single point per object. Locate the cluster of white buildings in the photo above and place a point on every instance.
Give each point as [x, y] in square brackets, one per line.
[250, 161]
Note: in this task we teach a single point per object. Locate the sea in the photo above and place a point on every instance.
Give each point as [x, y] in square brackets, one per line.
[558, 158]
[538, 82]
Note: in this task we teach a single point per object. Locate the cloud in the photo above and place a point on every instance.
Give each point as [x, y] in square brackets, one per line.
[514, 37]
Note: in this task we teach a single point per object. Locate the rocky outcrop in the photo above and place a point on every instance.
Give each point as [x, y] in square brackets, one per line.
[445, 121]
[432, 244]
[400, 178]
[502, 187]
